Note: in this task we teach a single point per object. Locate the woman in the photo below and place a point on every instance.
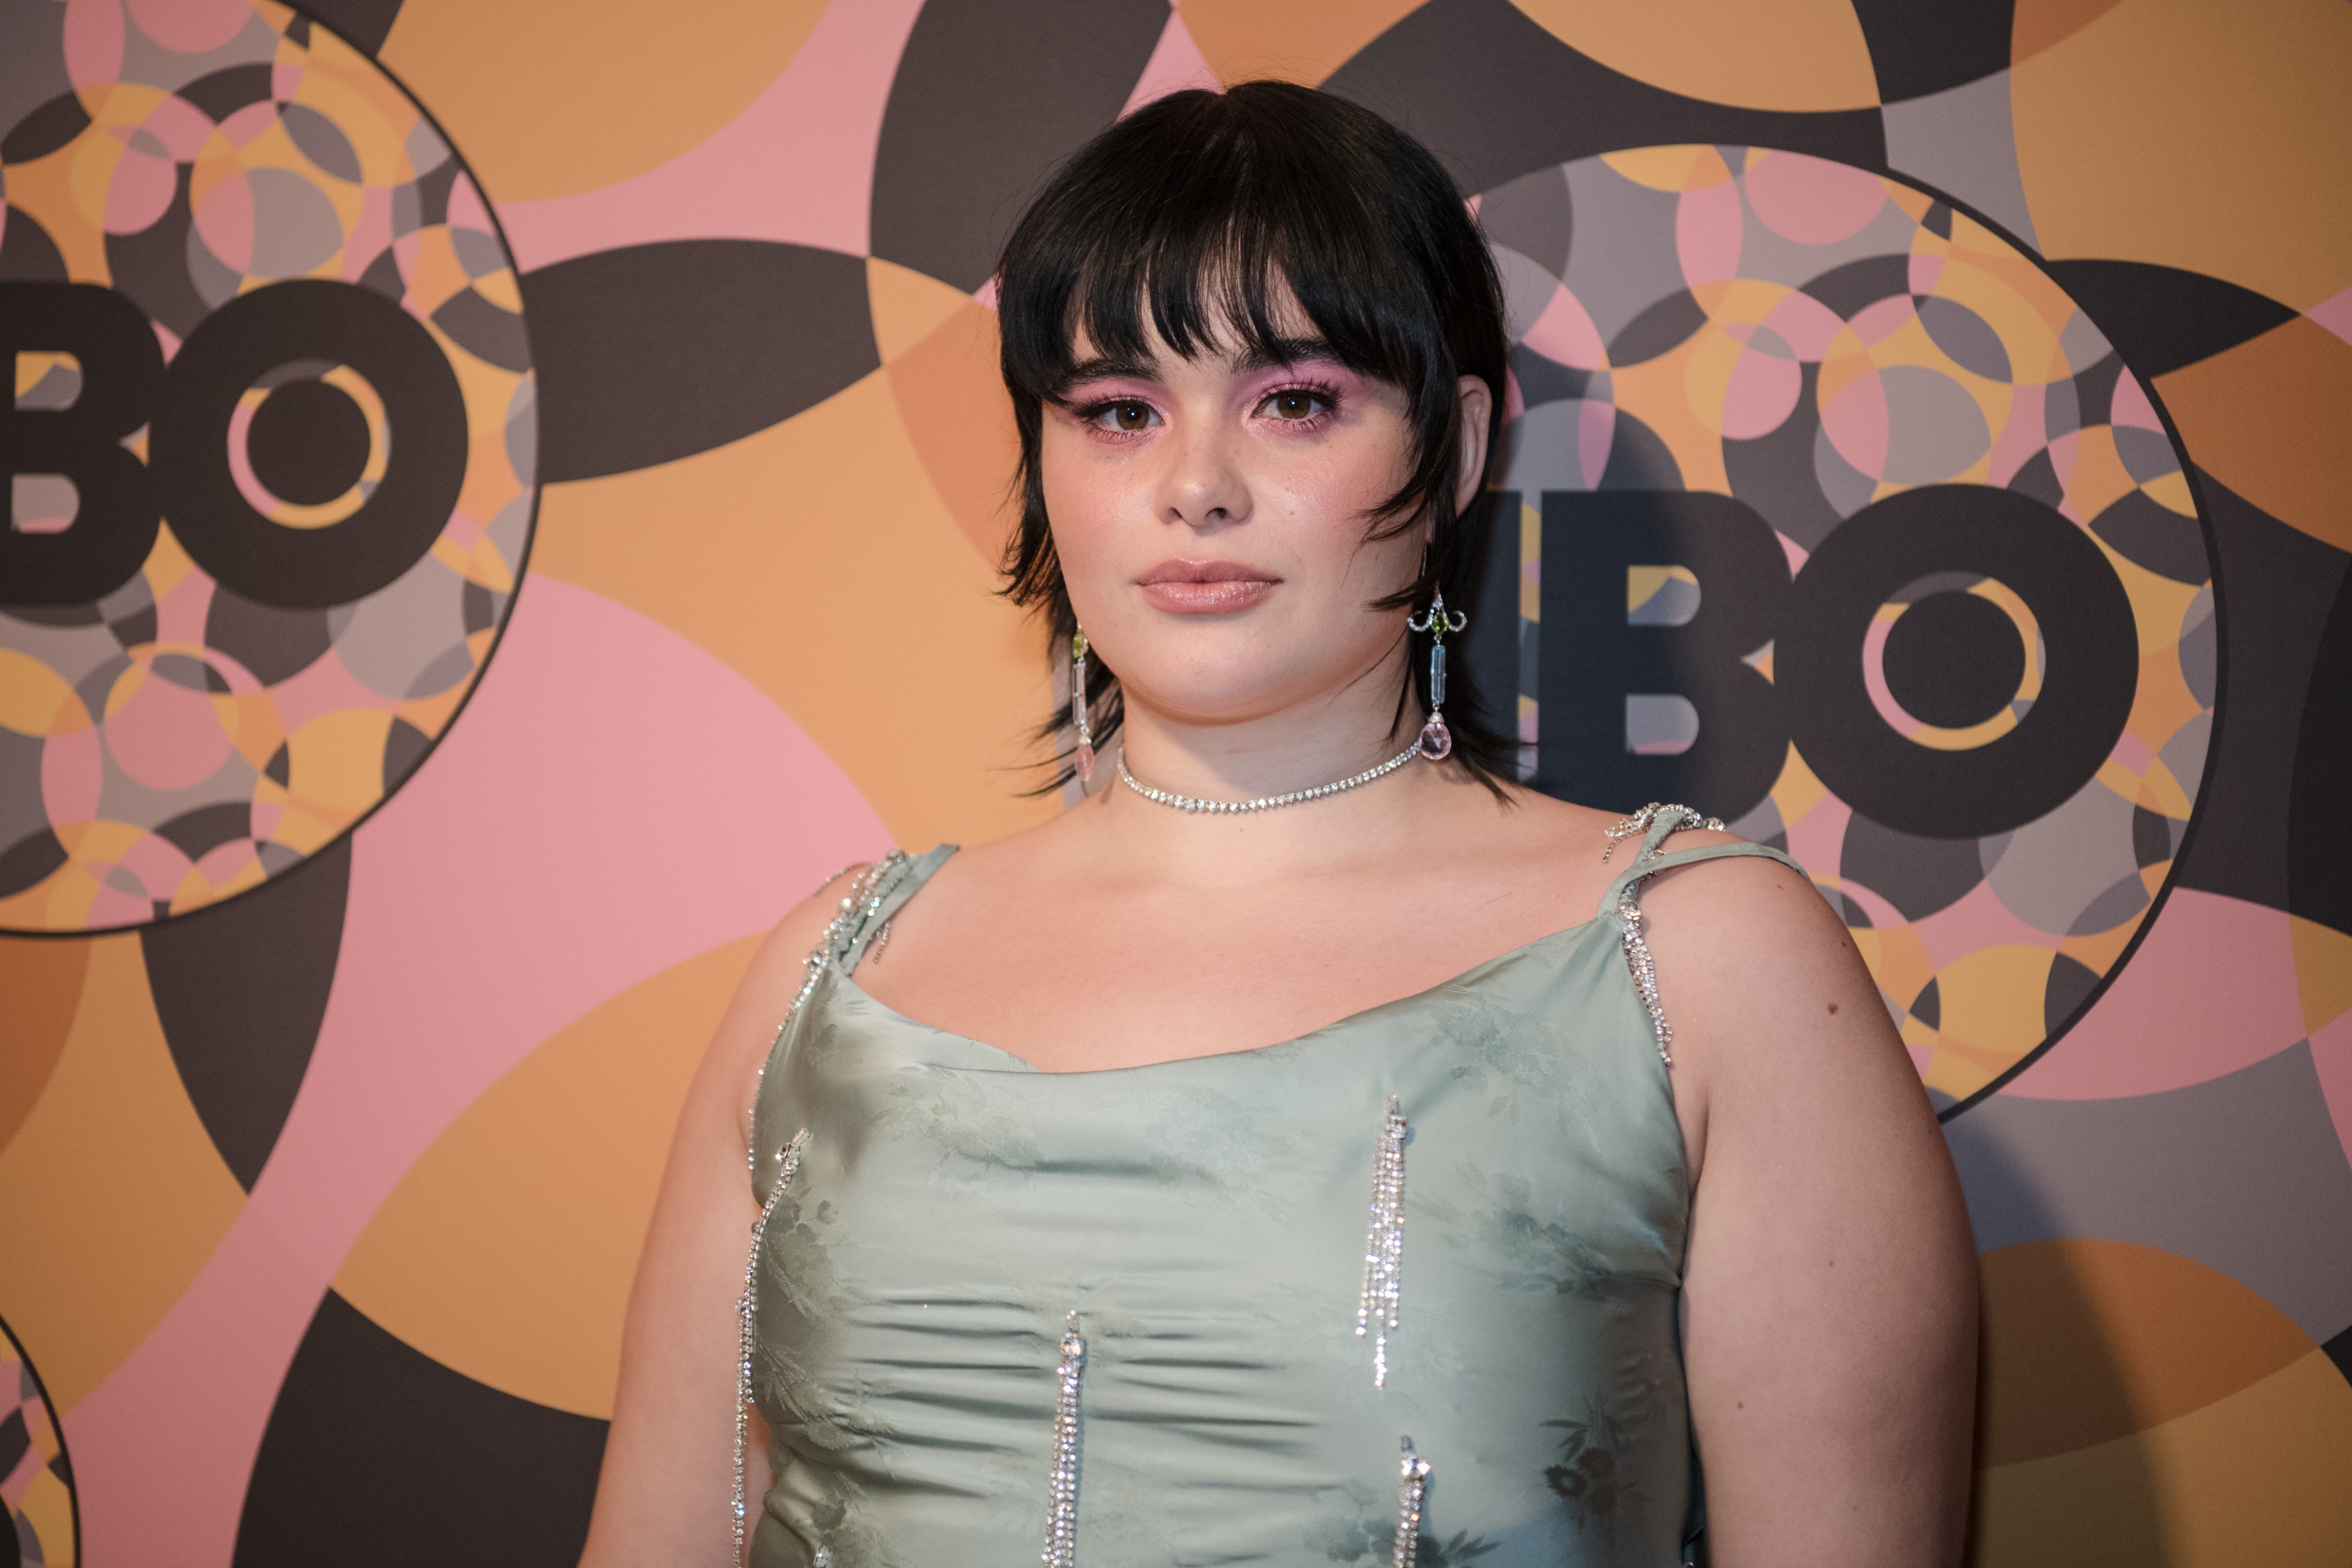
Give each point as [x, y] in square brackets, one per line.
[1610, 1169]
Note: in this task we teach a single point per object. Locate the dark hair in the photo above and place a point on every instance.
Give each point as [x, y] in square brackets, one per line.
[1195, 207]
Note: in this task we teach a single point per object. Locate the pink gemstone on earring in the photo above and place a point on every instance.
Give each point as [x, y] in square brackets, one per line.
[1436, 739]
[1085, 761]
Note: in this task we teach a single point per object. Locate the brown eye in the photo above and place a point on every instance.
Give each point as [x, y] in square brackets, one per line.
[1294, 404]
[1130, 416]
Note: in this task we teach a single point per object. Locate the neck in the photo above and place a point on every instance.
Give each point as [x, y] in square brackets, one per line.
[1300, 748]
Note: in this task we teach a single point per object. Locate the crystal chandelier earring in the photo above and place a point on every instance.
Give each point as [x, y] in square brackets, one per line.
[1080, 719]
[1436, 739]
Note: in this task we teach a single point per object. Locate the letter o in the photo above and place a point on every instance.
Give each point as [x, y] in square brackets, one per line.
[424, 407]
[2091, 671]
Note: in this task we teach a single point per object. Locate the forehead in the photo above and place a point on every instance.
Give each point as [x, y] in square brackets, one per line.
[1222, 330]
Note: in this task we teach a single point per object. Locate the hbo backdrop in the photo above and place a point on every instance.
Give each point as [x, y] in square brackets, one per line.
[505, 497]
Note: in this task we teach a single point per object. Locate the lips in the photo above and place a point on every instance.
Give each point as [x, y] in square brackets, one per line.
[1200, 587]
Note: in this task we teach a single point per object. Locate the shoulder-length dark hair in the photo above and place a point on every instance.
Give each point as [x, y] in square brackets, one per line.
[1190, 214]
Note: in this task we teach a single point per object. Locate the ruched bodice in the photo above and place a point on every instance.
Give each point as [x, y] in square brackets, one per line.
[1208, 1221]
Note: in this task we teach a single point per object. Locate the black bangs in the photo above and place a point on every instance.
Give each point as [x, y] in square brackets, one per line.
[1276, 221]
[1191, 218]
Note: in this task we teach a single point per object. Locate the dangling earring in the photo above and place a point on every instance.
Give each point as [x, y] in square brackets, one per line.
[1436, 739]
[1080, 719]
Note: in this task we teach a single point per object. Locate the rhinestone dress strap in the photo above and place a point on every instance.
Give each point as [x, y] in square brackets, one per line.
[853, 920]
[1676, 860]
[1622, 900]
[1651, 824]
[903, 877]
[788, 1164]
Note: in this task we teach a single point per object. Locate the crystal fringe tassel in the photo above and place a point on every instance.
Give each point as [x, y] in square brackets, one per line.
[788, 1161]
[856, 912]
[1412, 1487]
[1376, 1308]
[1638, 960]
[1062, 1507]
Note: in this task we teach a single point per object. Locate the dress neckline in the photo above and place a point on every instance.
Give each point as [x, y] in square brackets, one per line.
[1470, 976]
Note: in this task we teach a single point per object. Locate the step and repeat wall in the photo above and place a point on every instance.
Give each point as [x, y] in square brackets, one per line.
[505, 497]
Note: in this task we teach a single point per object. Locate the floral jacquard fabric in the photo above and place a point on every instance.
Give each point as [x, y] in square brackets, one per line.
[1207, 1220]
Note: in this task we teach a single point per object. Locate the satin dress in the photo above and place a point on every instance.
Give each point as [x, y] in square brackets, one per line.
[1217, 1227]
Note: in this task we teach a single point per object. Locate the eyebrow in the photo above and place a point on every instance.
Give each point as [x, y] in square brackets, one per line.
[1271, 356]
[1281, 352]
[1104, 367]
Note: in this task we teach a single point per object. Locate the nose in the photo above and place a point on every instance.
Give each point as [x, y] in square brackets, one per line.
[1202, 486]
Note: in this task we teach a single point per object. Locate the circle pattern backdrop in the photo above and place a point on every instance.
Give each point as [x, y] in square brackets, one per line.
[35, 1476]
[1954, 646]
[268, 339]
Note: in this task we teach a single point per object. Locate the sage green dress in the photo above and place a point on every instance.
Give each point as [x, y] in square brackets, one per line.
[1208, 1221]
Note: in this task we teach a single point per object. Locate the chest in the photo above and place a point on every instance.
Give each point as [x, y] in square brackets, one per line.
[1207, 1221]
[1085, 979]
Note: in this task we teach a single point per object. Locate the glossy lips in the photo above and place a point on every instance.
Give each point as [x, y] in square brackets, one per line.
[1204, 587]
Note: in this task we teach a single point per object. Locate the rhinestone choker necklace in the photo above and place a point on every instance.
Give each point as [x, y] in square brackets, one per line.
[1265, 801]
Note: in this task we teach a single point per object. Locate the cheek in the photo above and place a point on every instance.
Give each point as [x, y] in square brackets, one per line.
[1329, 498]
[1083, 502]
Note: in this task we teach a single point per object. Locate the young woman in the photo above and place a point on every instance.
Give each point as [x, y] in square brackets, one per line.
[1315, 1147]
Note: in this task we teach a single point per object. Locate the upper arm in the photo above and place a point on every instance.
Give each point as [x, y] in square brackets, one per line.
[1830, 1285]
[668, 1467]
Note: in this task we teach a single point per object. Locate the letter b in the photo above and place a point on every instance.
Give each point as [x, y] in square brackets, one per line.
[1591, 658]
[122, 374]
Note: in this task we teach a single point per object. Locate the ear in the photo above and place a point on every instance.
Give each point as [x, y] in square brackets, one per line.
[1474, 405]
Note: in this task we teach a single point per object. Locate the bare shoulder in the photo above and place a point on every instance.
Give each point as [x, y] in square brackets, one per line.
[1776, 1018]
[1747, 908]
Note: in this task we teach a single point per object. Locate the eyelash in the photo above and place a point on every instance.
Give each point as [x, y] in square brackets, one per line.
[1328, 396]
[1092, 413]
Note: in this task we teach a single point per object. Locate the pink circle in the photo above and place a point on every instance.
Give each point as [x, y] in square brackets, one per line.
[93, 42]
[225, 220]
[223, 862]
[165, 735]
[1882, 319]
[2064, 452]
[244, 125]
[139, 191]
[1811, 200]
[1708, 226]
[2129, 408]
[1761, 394]
[180, 126]
[1873, 680]
[115, 907]
[1805, 324]
[191, 27]
[1855, 421]
[73, 772]
[466, 209]
[1565, 334]
[240, 461]
[159, 865]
